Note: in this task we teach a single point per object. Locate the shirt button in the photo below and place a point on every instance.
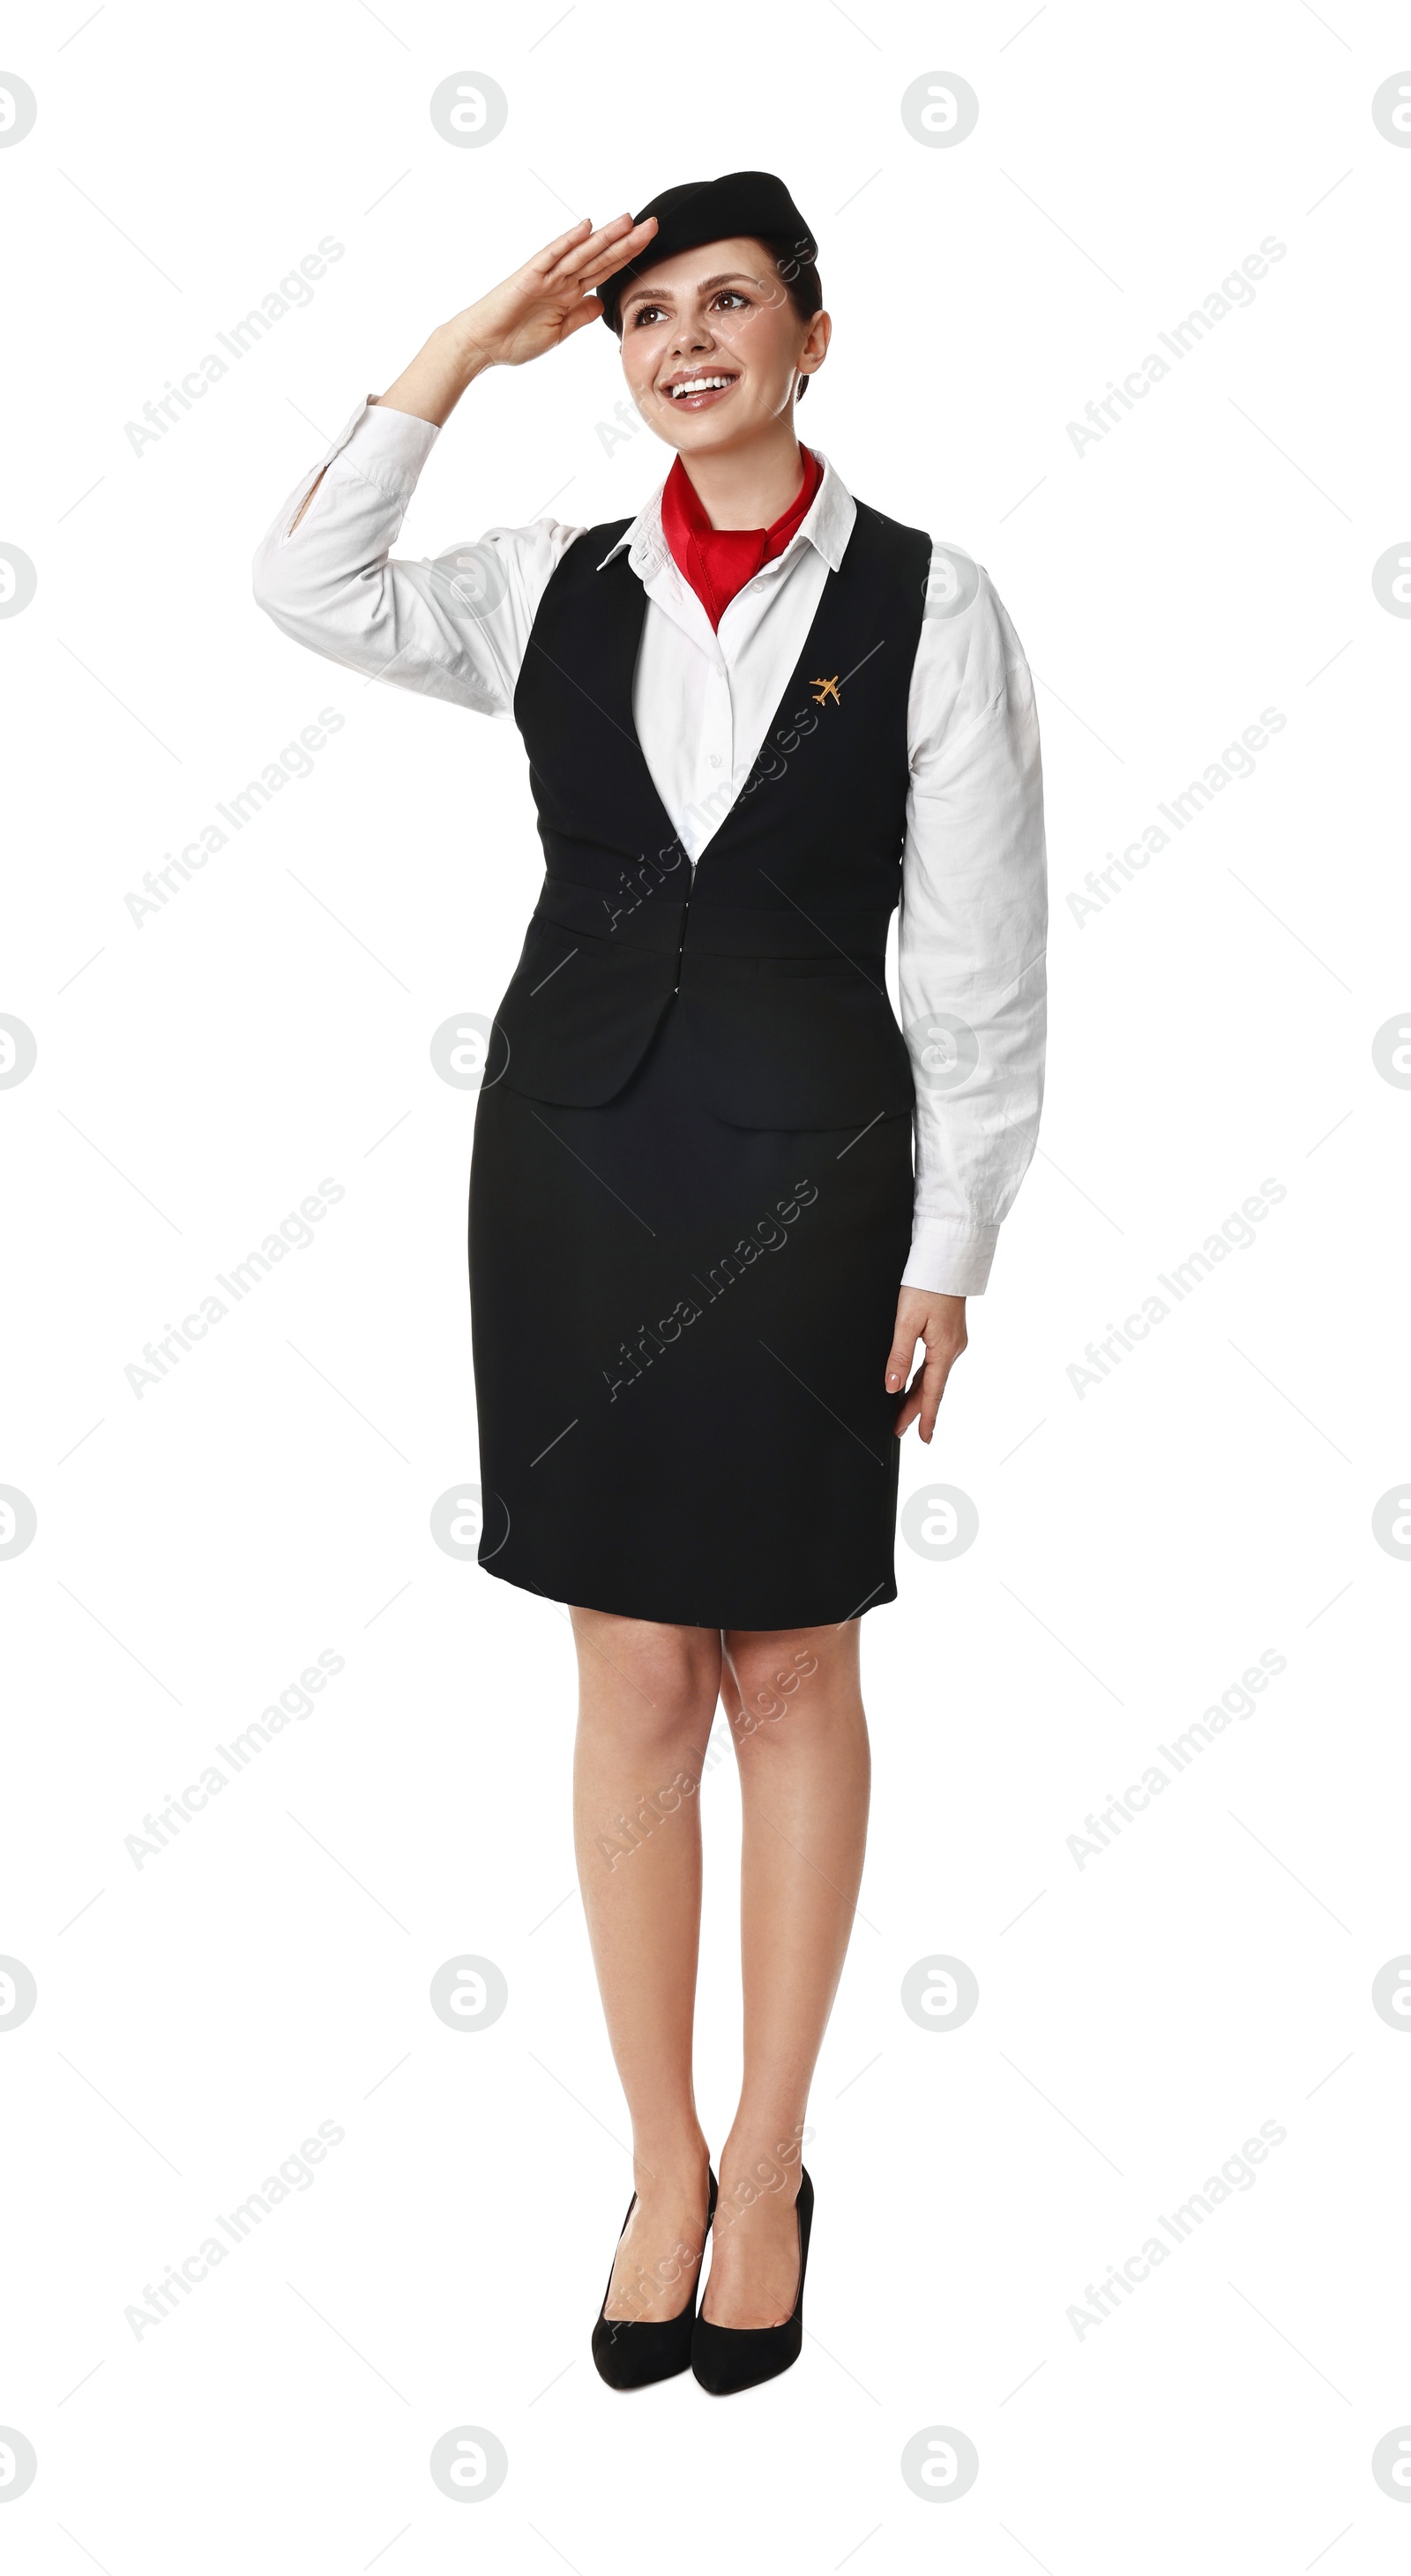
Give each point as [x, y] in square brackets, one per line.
[715, 760]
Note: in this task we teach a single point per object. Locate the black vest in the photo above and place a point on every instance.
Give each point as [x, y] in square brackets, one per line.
[775, 954]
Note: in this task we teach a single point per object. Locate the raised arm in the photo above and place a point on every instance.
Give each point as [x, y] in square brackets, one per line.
[455, 626]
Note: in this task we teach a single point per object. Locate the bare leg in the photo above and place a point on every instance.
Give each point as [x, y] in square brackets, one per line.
[795, 1708]
[647, 1695]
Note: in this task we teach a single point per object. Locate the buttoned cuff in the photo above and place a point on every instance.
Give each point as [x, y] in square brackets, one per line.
[388, 448]
[948, 1257]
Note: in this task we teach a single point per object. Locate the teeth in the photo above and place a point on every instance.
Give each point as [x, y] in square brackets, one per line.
[700, 385]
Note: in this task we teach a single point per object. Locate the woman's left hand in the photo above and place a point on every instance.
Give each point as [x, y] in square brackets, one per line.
[939, 1322]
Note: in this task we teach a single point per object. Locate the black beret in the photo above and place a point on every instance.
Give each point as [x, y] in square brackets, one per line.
[749, 202]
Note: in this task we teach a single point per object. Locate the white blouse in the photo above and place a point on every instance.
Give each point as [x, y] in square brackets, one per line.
[974, 896]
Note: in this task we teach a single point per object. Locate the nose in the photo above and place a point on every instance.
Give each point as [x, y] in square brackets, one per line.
[691, 337]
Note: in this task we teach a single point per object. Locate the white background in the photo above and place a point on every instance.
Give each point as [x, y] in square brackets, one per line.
[1140, 1544]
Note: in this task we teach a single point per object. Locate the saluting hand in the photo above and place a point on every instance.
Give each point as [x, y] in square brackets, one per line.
[552, 296]
[537, 309]
[939, 1322]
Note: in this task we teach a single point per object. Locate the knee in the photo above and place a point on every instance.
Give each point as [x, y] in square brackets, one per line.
[646, 1682]
[771, 1670]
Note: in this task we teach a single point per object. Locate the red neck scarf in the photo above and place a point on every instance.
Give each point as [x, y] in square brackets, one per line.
[717, 562]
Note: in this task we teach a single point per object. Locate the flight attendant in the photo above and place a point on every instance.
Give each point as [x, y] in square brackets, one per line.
[719, 1196]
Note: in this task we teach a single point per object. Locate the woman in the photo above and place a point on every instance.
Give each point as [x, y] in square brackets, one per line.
[757, 715]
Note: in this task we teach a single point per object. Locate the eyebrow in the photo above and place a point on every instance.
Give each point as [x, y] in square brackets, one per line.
[659, 295]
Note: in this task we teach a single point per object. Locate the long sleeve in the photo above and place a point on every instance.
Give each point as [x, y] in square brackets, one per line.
[455, 626]
[973, 926]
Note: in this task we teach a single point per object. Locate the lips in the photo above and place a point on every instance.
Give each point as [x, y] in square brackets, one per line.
[698, 391]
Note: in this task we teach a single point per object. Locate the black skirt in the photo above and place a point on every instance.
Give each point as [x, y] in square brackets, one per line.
[681, 1330]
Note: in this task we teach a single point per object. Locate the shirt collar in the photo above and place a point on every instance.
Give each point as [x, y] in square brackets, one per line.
[827, 528]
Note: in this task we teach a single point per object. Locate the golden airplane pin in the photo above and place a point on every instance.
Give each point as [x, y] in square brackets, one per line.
[825, 689]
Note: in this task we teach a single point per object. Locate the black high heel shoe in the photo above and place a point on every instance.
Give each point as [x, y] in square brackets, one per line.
[635, 2356]
[726, 2359]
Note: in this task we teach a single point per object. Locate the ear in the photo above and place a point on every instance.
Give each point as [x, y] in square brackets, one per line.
[816, 341]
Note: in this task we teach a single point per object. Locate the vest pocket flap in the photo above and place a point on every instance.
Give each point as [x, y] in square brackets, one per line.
[578, 1015]
[790, 1048]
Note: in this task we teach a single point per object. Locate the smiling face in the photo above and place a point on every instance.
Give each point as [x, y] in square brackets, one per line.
[712, 347]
